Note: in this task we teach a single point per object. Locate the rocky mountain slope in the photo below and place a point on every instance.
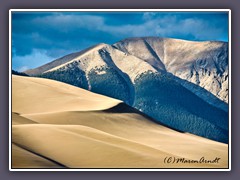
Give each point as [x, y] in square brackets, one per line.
[202, 63]
[180, 83]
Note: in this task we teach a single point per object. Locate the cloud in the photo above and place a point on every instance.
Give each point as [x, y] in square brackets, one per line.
[184, 27]
[22, 69]
[67, 23]
[149, 15]
[36, 58]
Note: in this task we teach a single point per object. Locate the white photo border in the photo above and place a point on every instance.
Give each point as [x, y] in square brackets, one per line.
[118, 10]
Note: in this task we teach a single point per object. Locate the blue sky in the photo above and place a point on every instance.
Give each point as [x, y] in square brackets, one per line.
[40, 37]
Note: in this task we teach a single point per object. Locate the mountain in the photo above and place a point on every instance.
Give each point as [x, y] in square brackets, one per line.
[18, 73]
[56, 125]
[202, 63]
[176, 82]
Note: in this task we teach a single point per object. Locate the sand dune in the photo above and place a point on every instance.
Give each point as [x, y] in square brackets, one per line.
[36, 95]
[23, 158]
[17, 120]
[55, 125]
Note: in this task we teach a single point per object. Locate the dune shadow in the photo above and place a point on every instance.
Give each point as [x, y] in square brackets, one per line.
[124, 108]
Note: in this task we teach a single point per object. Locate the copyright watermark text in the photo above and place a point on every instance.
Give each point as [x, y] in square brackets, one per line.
[202, 160]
